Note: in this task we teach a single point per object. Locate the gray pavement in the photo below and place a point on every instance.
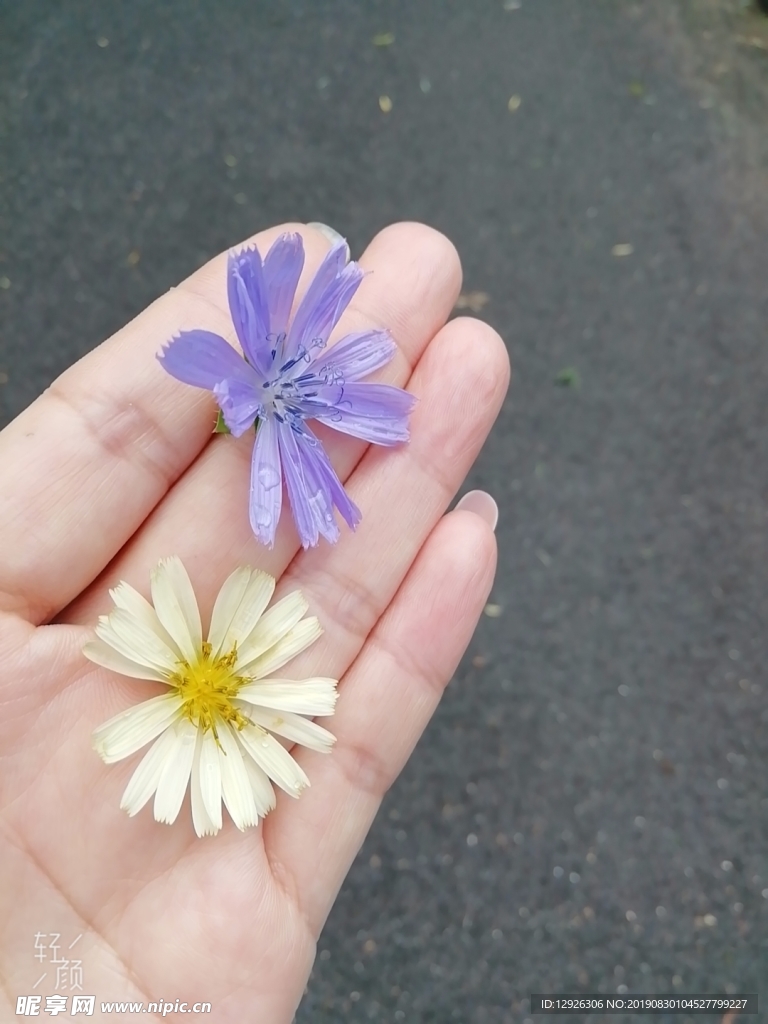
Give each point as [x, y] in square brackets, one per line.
[588, 809]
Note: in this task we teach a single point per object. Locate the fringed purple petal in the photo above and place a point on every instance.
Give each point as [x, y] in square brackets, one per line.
[350, 513]
[355, 356]
[313, 487]
[249, 307]
[325, 300]
[282, 269]
[374, 412]
[240, 402]
[311, 503]
[266, 482]
[202, 359]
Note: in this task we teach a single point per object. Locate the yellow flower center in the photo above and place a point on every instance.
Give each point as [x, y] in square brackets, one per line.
[208, 688]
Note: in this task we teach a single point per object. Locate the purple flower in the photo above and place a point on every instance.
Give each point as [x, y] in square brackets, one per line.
[288, 376]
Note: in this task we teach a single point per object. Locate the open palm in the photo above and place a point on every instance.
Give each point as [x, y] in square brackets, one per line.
[111, 470]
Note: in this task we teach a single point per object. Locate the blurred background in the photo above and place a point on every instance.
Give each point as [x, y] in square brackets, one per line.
[587, 812]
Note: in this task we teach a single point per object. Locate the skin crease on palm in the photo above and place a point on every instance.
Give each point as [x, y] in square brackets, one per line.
[115, 467]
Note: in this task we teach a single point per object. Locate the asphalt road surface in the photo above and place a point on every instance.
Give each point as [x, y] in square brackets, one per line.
[587, 811]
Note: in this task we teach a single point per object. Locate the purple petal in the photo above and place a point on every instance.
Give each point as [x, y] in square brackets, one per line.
[374, 412]
[249, 307]
[311, 503]
[266, 482]
[350, 513]
[355, 356]
[325, 300]
[282, 269]
[202, 359]
[240, 402]
[313, 487]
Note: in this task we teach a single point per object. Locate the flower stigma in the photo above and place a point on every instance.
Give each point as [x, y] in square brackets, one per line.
[207, 689]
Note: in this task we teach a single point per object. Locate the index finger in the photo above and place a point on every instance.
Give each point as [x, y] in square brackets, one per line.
[94, 455]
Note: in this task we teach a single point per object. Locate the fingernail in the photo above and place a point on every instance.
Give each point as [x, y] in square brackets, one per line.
[330, 233]
[482, 504]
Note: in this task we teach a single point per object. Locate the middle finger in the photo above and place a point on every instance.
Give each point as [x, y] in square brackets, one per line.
[413, 279]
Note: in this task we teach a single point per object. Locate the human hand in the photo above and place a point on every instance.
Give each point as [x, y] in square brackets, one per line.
[115, 467]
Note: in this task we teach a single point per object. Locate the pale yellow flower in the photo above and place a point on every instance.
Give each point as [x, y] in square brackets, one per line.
[217, 724]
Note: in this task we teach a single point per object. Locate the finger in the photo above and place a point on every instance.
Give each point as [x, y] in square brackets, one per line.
[412, 283]
[96, 452]
[388, 696]
[460, 381]
[413, 276]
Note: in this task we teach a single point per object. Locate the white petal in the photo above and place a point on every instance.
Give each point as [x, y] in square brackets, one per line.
[203, 824]
[133, 640]
[146, 778]
[178, 764]
[272, 626]
[235, 784]
[249, 610]
[294, 728]
[308, 697]
[273, 758]
[132, 601]
[293, 643]
[210, 778]
[263, 793]
[227, 602]
[257, 597]
[176, 606]
[100, 653]
[132, 729]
